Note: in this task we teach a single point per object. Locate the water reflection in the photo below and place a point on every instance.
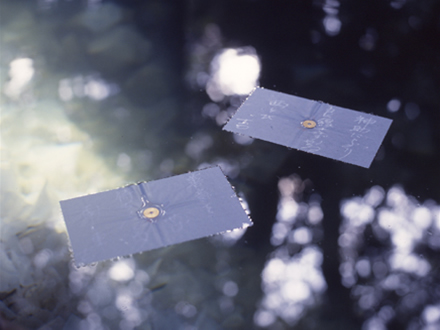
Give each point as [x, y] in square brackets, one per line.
[393, 105]
[226, 74]
[167, 288]
[198, 144]
[387, 244]
[79, 79]
[368, 40]
[89, 86]
[233, 71]
[61, 65]
[91, 64]
[292, 279]
[331, 21]
[21, 71]
[122, 270]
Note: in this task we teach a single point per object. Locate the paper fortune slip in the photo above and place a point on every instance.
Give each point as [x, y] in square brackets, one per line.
[151, 215]
[315, 127]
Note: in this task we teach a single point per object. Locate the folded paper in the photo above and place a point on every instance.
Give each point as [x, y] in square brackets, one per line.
[151, 215]
[350, 136]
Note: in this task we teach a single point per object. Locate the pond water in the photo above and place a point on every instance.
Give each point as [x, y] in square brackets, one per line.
[96, 95]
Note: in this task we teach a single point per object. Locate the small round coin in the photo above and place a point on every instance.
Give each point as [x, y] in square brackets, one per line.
[151, 212]
[309, 123]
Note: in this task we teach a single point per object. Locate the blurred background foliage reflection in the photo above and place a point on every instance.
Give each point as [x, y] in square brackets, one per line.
[97, 94]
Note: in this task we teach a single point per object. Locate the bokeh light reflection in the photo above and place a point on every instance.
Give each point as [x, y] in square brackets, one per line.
[331, 21]
[431, 316]
[21, 71]
[292, 282]
[122, 270]
[386, 244]
[233, 72]
[86, 86]
[393, 105]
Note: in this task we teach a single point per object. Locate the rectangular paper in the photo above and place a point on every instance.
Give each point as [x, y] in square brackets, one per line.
[316, 127]
[151, 215]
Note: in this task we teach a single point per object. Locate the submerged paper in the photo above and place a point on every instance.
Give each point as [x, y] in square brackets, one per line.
[150, 215]
[319, 128]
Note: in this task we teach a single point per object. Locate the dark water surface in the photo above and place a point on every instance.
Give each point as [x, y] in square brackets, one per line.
[100, 94]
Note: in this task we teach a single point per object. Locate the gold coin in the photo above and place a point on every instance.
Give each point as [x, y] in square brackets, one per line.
[309, 123]
[151, 212]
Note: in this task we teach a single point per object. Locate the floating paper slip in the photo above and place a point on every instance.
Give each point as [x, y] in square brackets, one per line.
[150, 215]
[322, 129]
